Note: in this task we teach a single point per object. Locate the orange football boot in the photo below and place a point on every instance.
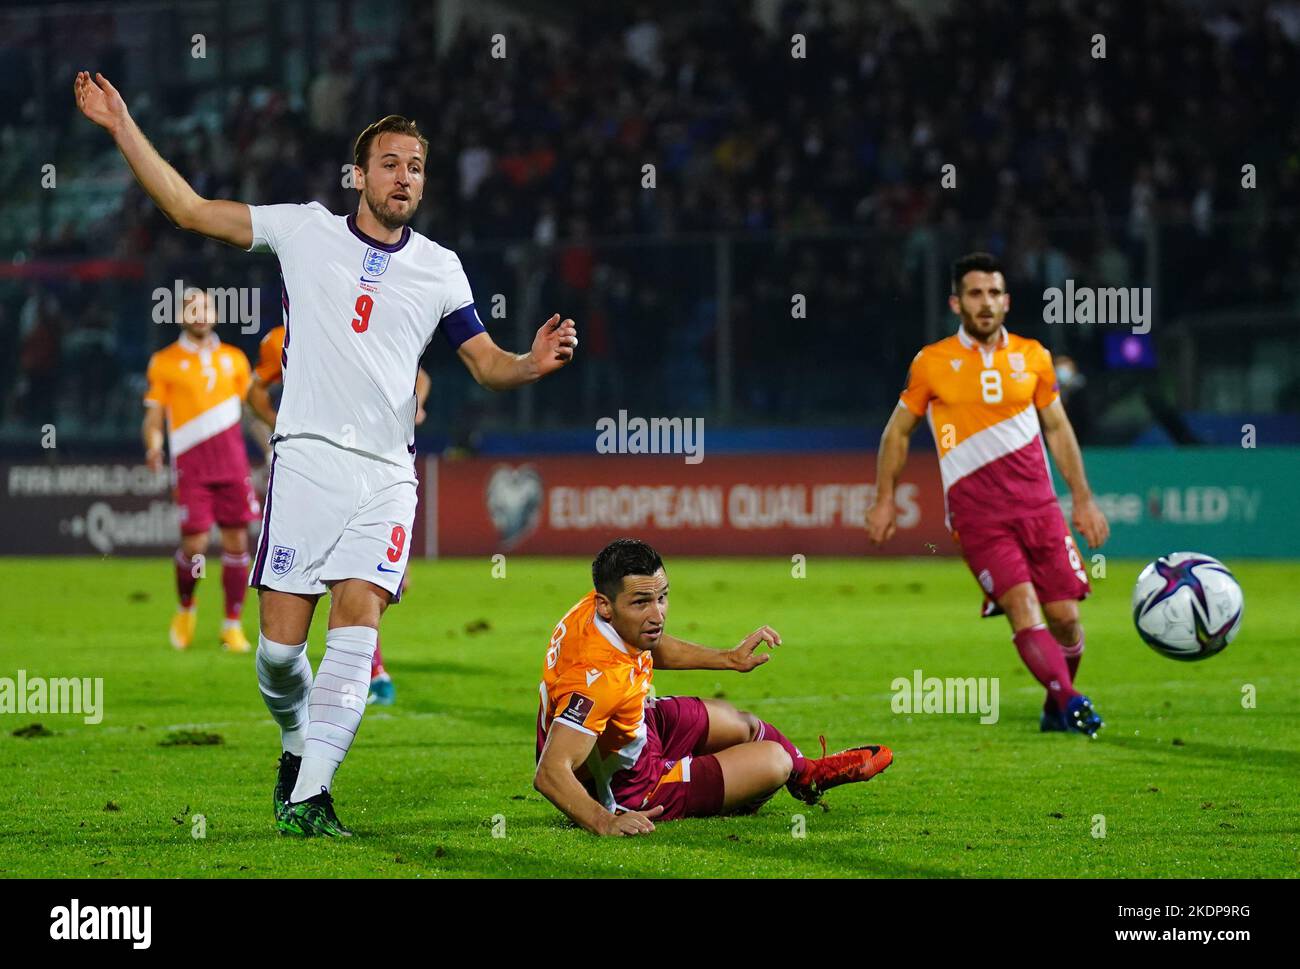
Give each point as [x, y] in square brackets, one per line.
[847, 767]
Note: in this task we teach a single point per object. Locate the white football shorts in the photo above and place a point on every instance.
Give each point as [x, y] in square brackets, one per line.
[333, 514]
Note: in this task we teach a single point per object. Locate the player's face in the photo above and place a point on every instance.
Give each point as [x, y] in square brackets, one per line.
[393, 181]
[198, 316]
[982, 305]
[639, 612]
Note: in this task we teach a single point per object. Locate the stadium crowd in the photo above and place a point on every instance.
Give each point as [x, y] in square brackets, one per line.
[1062, 157]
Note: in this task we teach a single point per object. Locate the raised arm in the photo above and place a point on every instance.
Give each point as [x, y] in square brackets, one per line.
[497, 369]
[1059, 435]
[557, 781]
[882, 516]
[677, 654]
[229, 222]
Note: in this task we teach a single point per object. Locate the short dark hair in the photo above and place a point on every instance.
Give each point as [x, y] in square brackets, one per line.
[623, 556]
[394, 124]
[974, 262]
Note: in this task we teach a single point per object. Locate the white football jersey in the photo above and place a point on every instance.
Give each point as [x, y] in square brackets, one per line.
[358, 315]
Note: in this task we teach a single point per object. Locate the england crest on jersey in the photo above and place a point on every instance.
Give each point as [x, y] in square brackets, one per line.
[375, 263]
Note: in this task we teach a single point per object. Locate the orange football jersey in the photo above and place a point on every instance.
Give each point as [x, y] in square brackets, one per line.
[594, 682]
[982, 406]
[202, 388]
[270, 354]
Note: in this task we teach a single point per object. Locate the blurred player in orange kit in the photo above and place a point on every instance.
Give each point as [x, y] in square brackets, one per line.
[994, 408]
[614, 758]
[197, 385]
[269, 372]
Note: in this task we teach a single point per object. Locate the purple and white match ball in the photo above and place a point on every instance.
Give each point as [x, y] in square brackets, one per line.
[1187, 606]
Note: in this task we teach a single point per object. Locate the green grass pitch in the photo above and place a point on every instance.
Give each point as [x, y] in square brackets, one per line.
[1190, 782]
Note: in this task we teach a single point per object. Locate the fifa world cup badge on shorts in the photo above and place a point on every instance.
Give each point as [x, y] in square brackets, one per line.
[281, 559]
[375, 262]
[986, 581]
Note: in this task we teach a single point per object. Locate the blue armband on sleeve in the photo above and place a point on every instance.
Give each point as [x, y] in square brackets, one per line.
[459, 326]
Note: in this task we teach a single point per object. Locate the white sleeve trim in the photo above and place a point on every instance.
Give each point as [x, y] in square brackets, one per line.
[574, 726]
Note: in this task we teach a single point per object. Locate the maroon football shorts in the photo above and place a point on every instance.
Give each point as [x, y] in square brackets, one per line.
[1036, 548]
[228, 503]
[690, 781]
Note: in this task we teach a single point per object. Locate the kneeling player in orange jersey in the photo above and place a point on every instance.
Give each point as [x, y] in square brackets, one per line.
[613, 757]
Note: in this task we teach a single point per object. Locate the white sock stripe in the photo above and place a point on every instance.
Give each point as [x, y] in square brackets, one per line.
[360, 634]
[333, 723]
[348, 677]
[228, 559]
[364, 654]
[339, 692]
[326, 755]
[347, 666]
[353, 688]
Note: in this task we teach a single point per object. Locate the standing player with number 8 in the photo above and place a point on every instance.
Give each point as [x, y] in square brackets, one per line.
[991, 399]
[363, 296]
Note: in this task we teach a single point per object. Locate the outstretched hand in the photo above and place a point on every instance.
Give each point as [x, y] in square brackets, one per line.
[743, 658]
[99, 101]
[554, 344]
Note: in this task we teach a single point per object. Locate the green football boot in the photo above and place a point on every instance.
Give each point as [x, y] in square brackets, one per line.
[314, 816]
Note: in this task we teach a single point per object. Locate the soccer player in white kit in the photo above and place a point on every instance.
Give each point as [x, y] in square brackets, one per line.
[363, 295]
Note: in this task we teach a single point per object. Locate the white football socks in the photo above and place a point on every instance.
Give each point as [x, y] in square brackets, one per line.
[284, 677]
[338, 699]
